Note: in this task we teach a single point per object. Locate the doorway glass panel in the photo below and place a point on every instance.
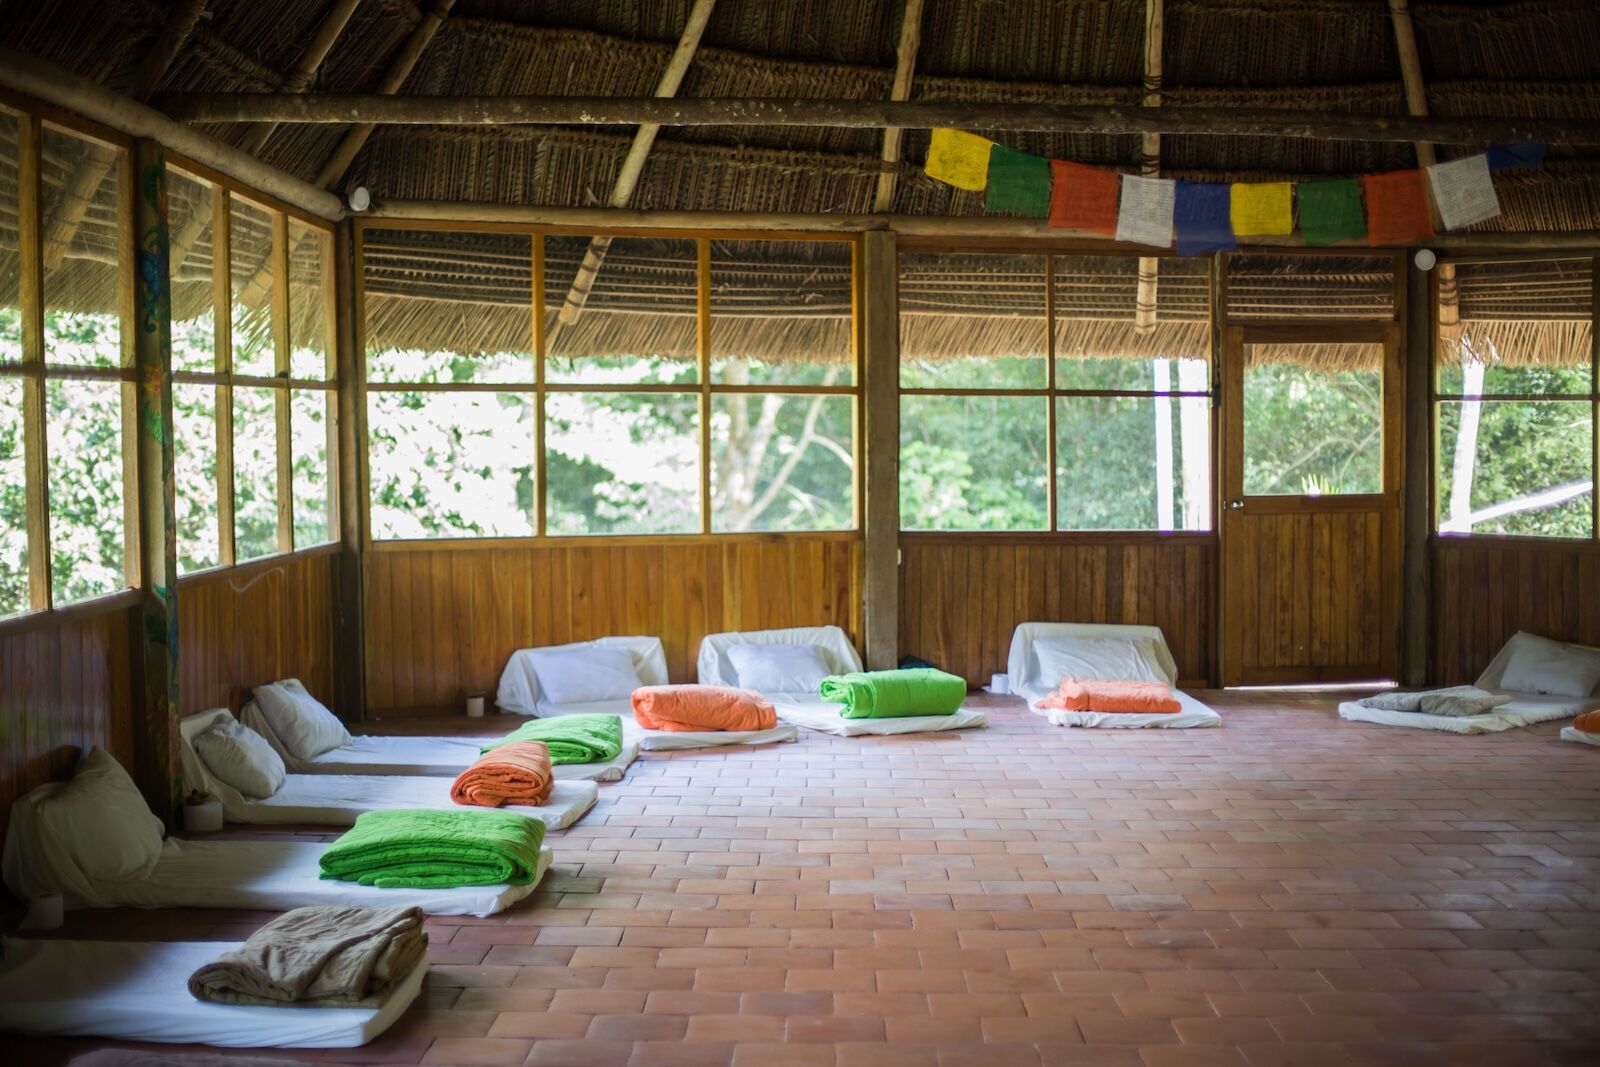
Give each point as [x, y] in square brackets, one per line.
[1313, 419]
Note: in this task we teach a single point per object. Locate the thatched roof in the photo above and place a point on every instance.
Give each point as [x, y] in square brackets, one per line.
[1529, 57]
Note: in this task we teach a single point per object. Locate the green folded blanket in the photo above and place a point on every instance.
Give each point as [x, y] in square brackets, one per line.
[571, 738]
[436, 849]
[895, 694]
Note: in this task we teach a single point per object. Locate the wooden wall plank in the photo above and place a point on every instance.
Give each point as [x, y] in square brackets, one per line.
[1488, 589]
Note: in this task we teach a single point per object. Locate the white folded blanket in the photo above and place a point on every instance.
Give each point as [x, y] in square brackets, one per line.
[1459, 701]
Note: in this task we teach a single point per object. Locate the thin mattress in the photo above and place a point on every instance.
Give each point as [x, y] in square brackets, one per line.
[139, 991]
[277, 875]
[422, 756]
[666, 740]
[1023, 670]
[1583, 737]
[336, 799]
[714, 667]
[1525, 709]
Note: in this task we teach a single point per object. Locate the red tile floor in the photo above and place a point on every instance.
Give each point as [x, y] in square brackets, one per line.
[1288, 890]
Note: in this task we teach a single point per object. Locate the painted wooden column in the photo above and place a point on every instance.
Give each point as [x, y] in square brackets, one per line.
[156, 734]
[880, 398]
[350, 619]
[1417, 516]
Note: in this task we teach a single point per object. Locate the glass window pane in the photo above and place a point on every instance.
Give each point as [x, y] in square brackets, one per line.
[88, 526]
[194, 314]
[312, 424]
[623, 463]
[10, 261]
[255, 473]
[972, 321]
[782, 462]
[448, 307]
[1516, 327]
[974, 463]
[1133, 463]
[451, 464]
[309, 253]
[251, 280]
[82, 253]
[194, 424]
[1313, 419]
[1098, 343]
[781, 313]
[1520, 469]
[1290, 288]
[13, 502]
[621, 310]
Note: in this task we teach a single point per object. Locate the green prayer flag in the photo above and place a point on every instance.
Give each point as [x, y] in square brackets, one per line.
[1331, 211]
[1018, 182]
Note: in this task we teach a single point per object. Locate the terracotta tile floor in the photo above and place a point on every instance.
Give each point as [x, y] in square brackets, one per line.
[1288, 890]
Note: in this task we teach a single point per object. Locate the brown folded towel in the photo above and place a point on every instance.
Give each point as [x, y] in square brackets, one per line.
[318, 957]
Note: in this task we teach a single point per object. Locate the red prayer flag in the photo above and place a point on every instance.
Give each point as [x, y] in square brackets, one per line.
[1397, 207]
[1083, 198]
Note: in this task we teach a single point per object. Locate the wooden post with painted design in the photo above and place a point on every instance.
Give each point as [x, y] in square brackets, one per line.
[156, 731]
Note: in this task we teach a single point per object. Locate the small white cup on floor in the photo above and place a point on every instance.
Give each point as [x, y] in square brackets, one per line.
[999, 684]
[474, 707]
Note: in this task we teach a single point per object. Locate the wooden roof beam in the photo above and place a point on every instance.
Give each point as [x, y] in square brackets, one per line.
[905, 63]
[633, 164]
[1144, 305]
[328, 31]
[372, 110]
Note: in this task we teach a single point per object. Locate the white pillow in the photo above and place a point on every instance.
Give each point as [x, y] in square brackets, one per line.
[585, 675]
[306, 728]
[1540, 665]
[1100, 659]
[101, 820]
[240, 757]
[779, 668]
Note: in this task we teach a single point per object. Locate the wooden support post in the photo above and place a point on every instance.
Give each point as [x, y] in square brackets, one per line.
[350, 622]
[156, 733]
[905, 65]
[1417, 504]
[35, 478]
[880, 395]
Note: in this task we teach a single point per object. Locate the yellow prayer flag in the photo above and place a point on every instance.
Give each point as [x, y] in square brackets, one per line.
[959, 159]
[1262, 209]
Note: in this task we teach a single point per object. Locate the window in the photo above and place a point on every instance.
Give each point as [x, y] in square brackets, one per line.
[65, 383]
[1033, 398]
[253, 398]
[523, 384]
[1516, 399]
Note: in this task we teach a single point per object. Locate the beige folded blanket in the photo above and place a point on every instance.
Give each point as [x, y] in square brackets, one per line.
[1457, 702]
[318, 957]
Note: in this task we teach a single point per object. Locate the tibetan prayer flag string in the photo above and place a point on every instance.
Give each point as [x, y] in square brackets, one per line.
[1018, 182]
[1331, 211]
[1083, 198]
[1463, 191]
[1200, 219]
[960, 159]
[1146, 214]
[1397, 207]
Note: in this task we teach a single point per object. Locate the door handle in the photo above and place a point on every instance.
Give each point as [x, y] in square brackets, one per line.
[1235, 504]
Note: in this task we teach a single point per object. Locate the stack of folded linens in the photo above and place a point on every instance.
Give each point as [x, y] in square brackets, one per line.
[517, 772]
[318, 957]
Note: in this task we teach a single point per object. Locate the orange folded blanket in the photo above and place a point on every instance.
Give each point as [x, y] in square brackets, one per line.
[514, 773]
[1588, 722]
[1149, 698]
[689, 708]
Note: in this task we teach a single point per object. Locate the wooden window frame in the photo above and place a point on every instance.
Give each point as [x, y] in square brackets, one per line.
[1437, 399]
[35, 371]
[224, 380]
[1052, 392]
[540, 388]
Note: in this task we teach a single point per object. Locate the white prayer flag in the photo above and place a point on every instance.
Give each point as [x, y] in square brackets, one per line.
[1145, 217]
[1463, 191]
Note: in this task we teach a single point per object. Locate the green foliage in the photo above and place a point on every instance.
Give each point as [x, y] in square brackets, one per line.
[1308, 432]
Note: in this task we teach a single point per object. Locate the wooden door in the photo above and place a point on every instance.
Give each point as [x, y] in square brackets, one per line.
[1311, 473]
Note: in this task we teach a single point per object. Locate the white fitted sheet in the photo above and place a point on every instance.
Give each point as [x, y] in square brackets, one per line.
[422, 756]
[139, 991]
[669, 741]
[1525, 709]
[336, 799]
[1583, 737]
[278, 875]
[814, 714]
[1195, 715]
[1025, 680]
